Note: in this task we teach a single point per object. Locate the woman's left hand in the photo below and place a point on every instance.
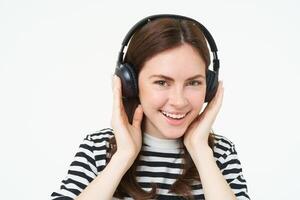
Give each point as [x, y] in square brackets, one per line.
[197, 133]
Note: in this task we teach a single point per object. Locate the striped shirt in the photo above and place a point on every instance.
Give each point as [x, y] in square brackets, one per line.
[160, 162]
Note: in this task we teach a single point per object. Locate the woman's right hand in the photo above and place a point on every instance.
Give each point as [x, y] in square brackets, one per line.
[128, 137]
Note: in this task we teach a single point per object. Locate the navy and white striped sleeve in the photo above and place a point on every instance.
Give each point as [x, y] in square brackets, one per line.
[81, 172]
[231, 168]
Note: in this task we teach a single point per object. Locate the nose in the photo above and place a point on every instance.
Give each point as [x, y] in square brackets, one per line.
[177, 97]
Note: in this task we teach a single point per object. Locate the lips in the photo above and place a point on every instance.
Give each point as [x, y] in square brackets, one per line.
[174, 120]
[174, 115]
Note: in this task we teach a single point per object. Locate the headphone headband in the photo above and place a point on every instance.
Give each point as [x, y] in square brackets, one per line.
[142, 22]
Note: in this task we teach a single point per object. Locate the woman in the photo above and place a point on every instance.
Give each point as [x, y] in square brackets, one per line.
[160, 145]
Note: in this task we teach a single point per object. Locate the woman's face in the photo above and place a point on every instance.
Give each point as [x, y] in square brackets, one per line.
[172, 88]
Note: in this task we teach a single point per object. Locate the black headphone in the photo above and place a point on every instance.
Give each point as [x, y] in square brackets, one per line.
[127, 73]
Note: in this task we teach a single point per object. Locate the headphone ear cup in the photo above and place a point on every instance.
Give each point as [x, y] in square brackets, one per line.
[128, 80]
[211, 85]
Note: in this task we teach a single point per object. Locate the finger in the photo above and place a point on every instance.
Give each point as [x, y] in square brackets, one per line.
[118, 108]
[137, 117]
[116, 92]
[219, 95]
[219, 91]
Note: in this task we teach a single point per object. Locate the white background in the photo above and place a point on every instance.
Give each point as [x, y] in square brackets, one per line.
[56, 61]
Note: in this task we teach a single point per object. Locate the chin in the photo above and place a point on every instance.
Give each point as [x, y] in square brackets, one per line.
[160, 127]
[172, 133]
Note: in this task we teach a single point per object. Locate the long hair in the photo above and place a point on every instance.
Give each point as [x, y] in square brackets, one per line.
[155, 37]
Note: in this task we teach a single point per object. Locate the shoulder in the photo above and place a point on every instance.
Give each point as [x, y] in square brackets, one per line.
[101, 135]
[98, 140]
[222, 146]
[94, 147]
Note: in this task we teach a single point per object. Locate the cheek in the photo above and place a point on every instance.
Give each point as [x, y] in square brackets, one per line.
[151, 98]
[197, 100]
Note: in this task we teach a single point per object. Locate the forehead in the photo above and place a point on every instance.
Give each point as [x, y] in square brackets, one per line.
[178, 62]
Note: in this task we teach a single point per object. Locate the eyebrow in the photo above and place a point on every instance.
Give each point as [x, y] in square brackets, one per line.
[171, 79]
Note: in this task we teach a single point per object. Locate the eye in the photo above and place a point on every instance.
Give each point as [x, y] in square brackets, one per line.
[160, 82]
[195, 83]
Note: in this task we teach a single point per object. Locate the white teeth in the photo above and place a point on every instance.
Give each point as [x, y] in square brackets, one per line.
[173, 115]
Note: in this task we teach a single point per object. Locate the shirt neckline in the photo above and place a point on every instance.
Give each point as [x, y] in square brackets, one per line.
[156, 142]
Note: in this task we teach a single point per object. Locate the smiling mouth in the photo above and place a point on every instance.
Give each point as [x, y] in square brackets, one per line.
[173, 116]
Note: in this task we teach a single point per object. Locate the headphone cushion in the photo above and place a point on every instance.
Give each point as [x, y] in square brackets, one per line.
[211, 85]
[128, 80]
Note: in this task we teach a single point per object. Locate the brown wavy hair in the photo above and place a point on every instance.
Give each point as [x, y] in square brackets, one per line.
[155, 37]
